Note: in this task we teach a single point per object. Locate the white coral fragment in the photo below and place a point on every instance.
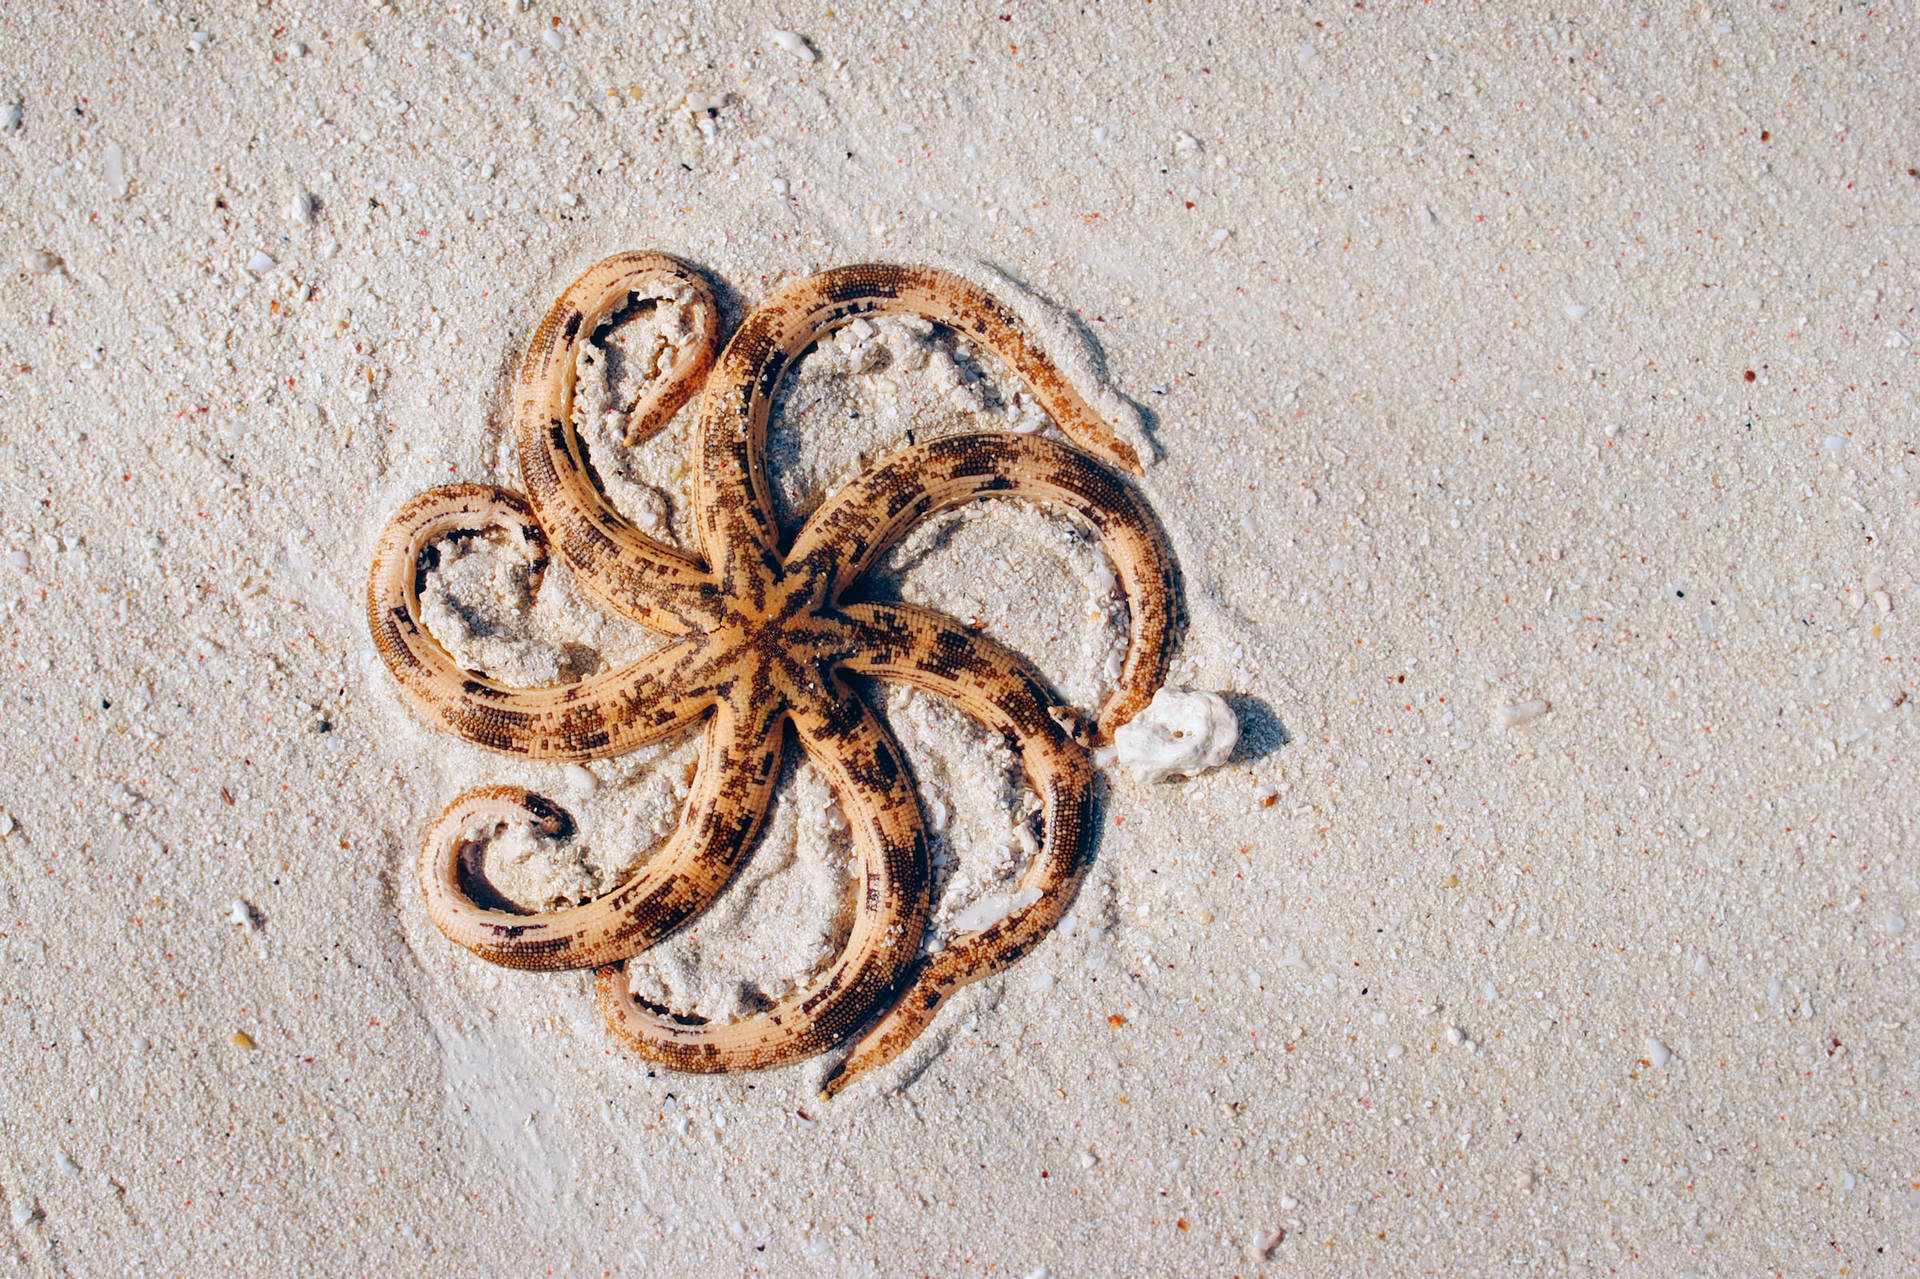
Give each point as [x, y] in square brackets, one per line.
[796, 44]
[1180, 734]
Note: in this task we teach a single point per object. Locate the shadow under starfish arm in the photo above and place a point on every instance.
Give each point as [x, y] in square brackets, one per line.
[606, 714]
[869, 775]
[1002, 691]
[739, 765]
[636, 575]
[860, 521]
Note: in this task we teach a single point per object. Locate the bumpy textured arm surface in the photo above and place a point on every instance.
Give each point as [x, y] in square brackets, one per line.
[633, 574]
[864, 765]
[1004, 693]
[606, 714]
[864, 518]
[739, 764]
[733, 413]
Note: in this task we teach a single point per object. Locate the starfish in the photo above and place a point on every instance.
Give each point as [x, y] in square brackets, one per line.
[762, 635]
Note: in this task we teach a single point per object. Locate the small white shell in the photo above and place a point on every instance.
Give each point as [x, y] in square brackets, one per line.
[796, 44]
[1180, 734]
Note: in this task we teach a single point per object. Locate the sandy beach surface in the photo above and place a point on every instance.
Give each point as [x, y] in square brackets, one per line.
[1532, 394]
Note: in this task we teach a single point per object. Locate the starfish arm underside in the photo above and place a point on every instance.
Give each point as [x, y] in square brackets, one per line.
[611, 713]
[733, 412]
[732, 788]
[636, 575]
[1005, 694]
[869, 775]
[867, 516]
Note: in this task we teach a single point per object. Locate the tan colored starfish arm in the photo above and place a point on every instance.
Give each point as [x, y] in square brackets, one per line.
[739, 764]
[868, 773]
[1006, 694]
[733, 413]
[606, 714]
[864, 518]
[634, 574]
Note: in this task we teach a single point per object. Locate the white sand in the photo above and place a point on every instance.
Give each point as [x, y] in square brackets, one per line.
[1575, 935]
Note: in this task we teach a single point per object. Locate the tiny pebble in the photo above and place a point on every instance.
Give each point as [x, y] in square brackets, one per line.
[1575, 311]
[197, 41]
[1040, 983]
[240, 1039]
[796, 44]
[780, 186]
[297, 49]
[553, 39]
[259, 263]
[1040, 1272]
[581, 779]
[1521, 712]
[44, 262]
[1204, 915]
[64, 1162]
[11, 117]
[1088, 1159]
[240, 915]
[6, 823]
[1835, 445]
[19, 561]
[1454, 1036]
[1184, 141]
[116, 167]
[1288, 1203]
[1658, 1053]
[1896, 923]
[1221, 236]
[300, 209]
[23, 1213]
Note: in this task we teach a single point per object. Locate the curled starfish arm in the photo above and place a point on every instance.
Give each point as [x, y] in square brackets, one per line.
[864, 518]
[733, 413]
[634, 574]
[739, 764]
[606, 714]
[868, 773]
[1004, 693]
